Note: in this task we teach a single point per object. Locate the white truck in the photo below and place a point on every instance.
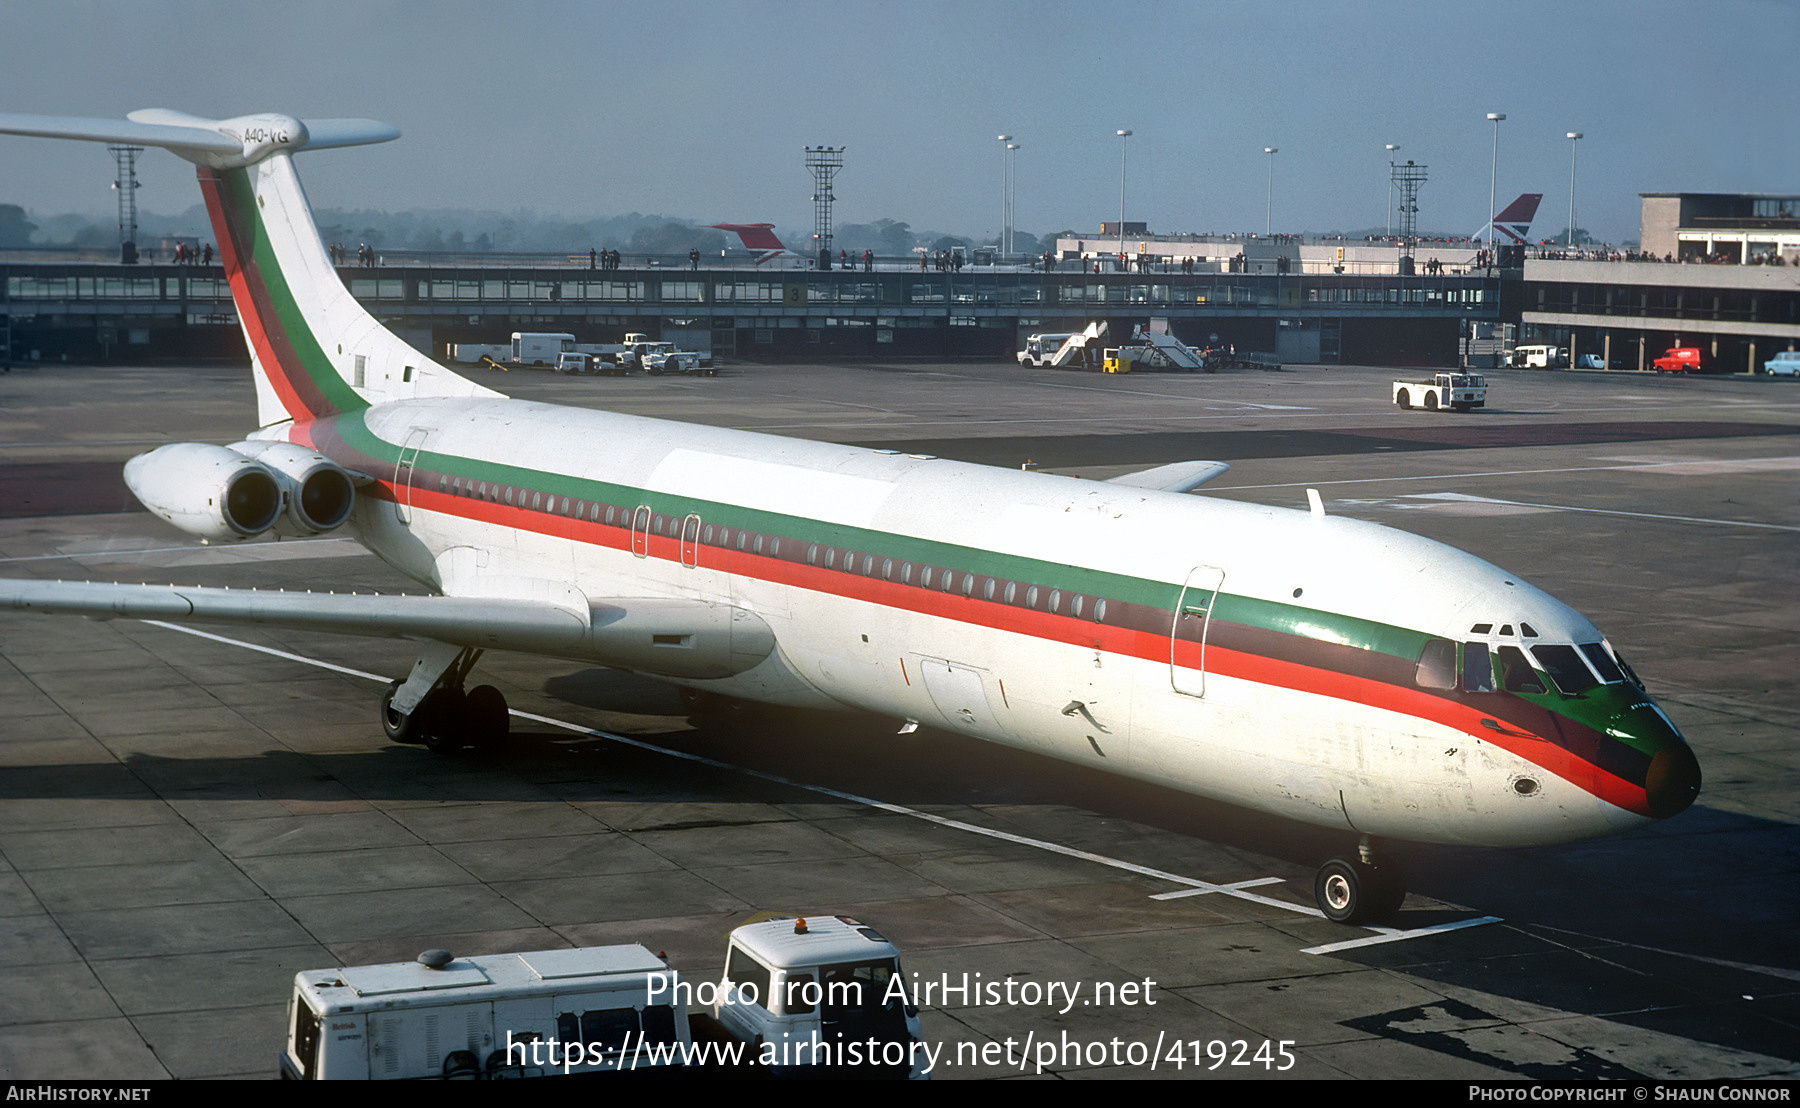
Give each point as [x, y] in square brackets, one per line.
[831, 994]
[806, 995]
[1456, 391]
[539, 347]
[657, 358]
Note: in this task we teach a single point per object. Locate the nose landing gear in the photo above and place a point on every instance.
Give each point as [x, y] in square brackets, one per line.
[1361, 890]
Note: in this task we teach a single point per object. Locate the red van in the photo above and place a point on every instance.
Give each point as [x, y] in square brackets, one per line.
[1679, 359]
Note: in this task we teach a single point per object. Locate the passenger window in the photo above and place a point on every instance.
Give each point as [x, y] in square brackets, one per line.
[1031, 597]
[1100, 611]
[1075, 606]
[925, 576]
[968, 584]
[1478, 668]
[1055, 599]
[1516, 674]
[1437, 665]
[1566, 669]
[887, 569]
[1012, 591]
[987, 590]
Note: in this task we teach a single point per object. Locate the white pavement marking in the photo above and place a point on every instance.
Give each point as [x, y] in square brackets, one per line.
[1392, 936]
[1195, 886]
[1484, 473]
[1468, 499]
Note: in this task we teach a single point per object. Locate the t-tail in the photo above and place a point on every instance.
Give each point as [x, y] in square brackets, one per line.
[314, 350]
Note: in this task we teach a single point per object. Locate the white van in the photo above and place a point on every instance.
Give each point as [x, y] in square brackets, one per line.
[1539, 357]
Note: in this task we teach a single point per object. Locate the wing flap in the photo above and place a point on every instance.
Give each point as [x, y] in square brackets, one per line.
[669, 638]
[1174, 477]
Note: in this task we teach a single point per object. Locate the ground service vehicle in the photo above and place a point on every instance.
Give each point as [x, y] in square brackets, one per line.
[1078, 348]
[798, 995]
[1787, 362]
[539, 347]
[831, 993]
[1679, 359]
[657, 358]
[1457, 391]
[1540, 357]
[546, 1012]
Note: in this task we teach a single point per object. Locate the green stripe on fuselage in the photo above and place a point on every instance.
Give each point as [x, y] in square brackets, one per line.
[289, 320]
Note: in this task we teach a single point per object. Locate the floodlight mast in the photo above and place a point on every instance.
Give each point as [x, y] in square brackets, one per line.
[824, 162]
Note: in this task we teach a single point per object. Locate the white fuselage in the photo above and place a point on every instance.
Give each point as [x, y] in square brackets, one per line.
[1027, 677]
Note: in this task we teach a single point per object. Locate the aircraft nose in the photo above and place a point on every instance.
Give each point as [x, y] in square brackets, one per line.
[1674, 779]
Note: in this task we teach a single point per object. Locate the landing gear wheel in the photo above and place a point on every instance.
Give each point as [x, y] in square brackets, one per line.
[400, 727]
[488, 723]
[443, 728]
[1355, 892]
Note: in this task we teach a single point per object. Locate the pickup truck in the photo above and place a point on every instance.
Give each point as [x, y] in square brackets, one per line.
[1456, 391]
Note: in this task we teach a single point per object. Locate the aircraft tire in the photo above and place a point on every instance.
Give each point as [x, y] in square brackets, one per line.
[400, 727]
[1355, 892]
[488, 723]
[443, 726]
[1403, 398]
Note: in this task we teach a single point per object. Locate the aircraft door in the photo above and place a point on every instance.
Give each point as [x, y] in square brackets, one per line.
[403, 472]
[690, 541]
[1187, 633]
[640, 531]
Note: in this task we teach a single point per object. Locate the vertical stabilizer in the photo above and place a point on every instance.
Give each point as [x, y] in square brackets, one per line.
[314, 350]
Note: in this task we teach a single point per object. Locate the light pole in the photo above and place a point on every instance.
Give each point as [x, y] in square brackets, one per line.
[1493, 176]
[1005, 180]
[1269, 216]
[1012, 185]
[1574, 138]
[1391, 147]
[1124, 143]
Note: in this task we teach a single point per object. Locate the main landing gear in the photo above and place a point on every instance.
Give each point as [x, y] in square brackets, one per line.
[1365, 889]
[432, 709]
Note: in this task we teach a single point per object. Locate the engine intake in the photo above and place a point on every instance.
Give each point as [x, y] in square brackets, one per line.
[319, 493]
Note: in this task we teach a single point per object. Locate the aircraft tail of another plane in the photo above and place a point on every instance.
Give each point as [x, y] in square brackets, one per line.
[759, 237]
[315, 351]
[1515, 219]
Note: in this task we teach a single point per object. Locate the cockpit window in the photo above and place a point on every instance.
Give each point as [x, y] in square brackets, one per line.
[1602, 662]
[1565, 668]
[1516, 674]
[1437, 665]
[1478, 668]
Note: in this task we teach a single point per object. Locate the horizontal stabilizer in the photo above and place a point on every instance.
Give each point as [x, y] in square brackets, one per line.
[1174, 477]
[670, 638]
[218, 143]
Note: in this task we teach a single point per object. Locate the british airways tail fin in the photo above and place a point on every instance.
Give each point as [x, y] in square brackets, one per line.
[1515, 219]
[314, 350]
[759, 237]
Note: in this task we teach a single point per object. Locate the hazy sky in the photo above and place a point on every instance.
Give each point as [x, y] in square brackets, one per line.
[701, 108]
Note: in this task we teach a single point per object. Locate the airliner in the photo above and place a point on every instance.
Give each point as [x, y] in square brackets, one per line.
[1322, 669]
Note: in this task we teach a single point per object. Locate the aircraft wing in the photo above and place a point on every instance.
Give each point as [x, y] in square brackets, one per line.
[669, 638]
[1174, 477]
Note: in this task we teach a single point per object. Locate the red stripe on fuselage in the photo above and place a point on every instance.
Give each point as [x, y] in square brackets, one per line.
[281, 364]
[1074, 631]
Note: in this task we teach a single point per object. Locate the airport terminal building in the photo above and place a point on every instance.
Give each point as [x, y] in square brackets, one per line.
[1721, 273]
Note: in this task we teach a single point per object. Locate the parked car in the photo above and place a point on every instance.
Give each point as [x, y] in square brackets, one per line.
[1787, 362]
[1590, 361]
